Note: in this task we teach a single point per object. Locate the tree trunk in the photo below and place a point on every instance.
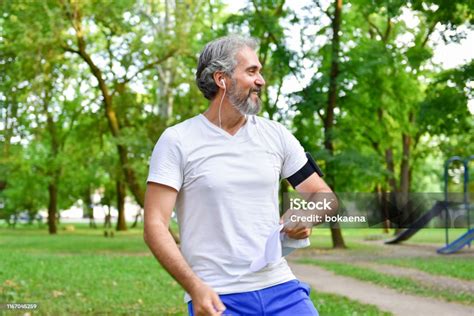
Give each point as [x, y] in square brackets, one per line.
[390, 165]
[283, 191]
[382, 198]
[121, 224]
[52, 207]
[166, 96]
[404, 178]
[405, 173]
[391, 169]
[337, 239]
[54, 172]
[88, 208]
[137, 217]
[332, 93]
[405, 166]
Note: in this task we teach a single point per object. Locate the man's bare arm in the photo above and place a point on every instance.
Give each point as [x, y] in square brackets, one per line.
[313, 188]
[314, 183]
[159, 204]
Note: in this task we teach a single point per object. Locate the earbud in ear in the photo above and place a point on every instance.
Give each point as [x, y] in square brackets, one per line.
[223, 83]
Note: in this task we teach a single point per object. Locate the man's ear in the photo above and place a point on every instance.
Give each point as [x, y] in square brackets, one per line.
[219, 79]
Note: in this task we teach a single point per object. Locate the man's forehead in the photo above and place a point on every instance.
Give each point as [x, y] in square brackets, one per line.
[246, 57]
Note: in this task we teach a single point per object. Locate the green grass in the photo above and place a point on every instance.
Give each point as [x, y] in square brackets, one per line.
[353, 237]
[356, 238]
[331, 304]
[84, 273]
[95, 284]
[424, 235]
[400, 284]
[461, 268]
[81, 272]
[436, 235]
[82, 241]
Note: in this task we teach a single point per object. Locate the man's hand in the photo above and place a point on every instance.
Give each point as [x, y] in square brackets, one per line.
[298, 233]
[206, 302]
[295, 230]
[299, 222]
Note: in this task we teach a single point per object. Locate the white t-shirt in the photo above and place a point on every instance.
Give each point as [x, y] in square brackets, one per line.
[227, 203]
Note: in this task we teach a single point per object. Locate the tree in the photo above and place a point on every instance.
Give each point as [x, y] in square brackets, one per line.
[120, 43]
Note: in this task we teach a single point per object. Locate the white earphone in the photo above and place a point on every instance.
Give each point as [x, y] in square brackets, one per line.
[220, 104]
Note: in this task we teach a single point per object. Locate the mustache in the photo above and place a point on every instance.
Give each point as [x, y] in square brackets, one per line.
[258, 90]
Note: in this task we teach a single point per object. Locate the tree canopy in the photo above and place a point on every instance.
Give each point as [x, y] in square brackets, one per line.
[87, 87]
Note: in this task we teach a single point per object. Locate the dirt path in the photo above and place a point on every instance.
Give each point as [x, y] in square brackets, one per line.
[368, 257]
[432, 281]
[384, 298]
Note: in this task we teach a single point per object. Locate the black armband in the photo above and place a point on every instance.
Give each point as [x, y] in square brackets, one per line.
[305, 171]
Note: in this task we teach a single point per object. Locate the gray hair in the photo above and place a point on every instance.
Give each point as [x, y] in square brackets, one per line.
[219, 55]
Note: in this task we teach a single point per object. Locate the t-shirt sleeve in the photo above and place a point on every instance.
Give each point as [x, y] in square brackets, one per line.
[294, 157]
[166, 162]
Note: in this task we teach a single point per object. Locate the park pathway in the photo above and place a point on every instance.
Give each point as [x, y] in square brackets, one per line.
[432, 281]
[384, 298]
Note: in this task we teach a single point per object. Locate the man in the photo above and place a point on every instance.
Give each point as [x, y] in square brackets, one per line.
[221, 170]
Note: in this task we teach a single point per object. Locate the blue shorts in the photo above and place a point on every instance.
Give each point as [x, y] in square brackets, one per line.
[289, 298]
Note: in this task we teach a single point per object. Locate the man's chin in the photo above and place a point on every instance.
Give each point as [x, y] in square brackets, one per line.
[252, 110]
[251, 107]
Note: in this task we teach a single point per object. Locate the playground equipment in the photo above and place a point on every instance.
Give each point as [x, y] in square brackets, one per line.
[421, 222]
[458, 244]
[438, 208]
[468, 237]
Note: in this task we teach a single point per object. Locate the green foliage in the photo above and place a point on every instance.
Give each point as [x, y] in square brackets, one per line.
[146, 53]
[444, 110]
[263, 20]
[387, 89]
[23, 176]
[57, 107]
[449, 13]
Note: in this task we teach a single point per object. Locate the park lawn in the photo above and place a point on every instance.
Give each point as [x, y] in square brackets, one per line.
[79, 273]
[331, 304]
[353, 237]
[450, 266]
[356, 238]
[95, 284]
[322, 235]
[401, 284]
[82, 272]
[436, 235]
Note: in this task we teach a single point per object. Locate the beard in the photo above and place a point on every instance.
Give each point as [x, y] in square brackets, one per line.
[243, 101]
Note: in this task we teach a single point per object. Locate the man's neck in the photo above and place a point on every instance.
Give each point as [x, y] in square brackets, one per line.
[231, 119]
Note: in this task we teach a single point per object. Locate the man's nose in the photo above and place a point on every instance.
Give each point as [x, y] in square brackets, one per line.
[260, 81]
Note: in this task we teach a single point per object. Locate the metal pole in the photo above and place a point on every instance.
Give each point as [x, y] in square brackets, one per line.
[466, 190]
[446, 178]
